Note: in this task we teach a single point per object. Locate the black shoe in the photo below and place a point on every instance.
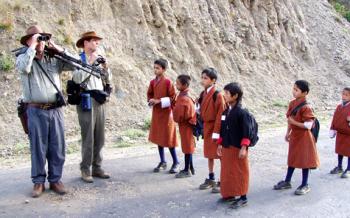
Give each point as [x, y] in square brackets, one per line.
[229, 200]
[345, 174]
[183, 174]
[192, 171]
[161, 166]
[337, 170]
[302, 190]
[282, 185]
[208, 183]
[239, 203]
[174, 169]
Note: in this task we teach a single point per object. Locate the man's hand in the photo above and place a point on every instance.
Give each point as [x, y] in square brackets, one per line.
[33, 41]
[53, 45]
[287, 137]
[243, 152]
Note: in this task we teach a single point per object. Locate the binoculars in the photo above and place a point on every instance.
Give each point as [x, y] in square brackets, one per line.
[43, 38]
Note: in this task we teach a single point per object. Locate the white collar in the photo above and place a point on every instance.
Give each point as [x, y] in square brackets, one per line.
[208, 89]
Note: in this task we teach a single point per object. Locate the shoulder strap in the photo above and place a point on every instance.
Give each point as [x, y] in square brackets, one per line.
[200, 99]
[297, 108]
[215, 95]
[45, 73]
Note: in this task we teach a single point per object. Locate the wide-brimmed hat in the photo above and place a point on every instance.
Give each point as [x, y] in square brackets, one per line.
[87, 36]
[32, 30]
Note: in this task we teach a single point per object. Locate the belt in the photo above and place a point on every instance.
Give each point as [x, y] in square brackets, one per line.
[43, 106]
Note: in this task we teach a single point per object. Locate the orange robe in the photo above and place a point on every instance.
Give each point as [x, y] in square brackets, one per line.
[211, 114]
[185, 115]
[162, 131]
[234, 176]
[302, 146]
[341, 125]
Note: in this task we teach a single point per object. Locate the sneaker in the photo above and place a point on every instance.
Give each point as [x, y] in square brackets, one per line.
[239, 204]
[229, 200]
[216, 188]
[86, 177]
[345, 174]
[183, 174]
[302, 190]
[337, 170]
[161, 166]
[174, 169]
[208, 183]
[282, 185]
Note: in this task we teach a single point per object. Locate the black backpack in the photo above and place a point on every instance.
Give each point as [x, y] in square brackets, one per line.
[315, 130]
[198, 128]
[253, 129]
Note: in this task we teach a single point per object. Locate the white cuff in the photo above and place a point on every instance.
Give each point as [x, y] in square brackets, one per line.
[165, 102]
[332, 133]
[308, 124]
[198, 108]
[215, 136]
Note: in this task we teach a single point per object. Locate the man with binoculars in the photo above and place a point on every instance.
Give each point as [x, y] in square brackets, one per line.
[40, 76]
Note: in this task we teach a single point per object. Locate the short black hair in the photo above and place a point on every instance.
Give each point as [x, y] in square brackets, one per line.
[347, 89]
[211, 73]
[162, 62]
[184, 79]
[303, 85]
[235, 88]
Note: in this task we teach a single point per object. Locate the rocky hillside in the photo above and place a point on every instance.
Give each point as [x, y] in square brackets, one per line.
[264, 44]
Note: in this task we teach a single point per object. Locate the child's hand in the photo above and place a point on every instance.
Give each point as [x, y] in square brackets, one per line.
[287, 137]
[291, 121]
[242, 152]
[153, 101]
[219, 150]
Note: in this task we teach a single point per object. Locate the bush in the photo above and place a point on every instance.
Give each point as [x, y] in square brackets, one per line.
[342, 10]
[6, 63]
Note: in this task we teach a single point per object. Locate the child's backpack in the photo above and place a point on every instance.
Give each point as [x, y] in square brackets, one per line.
[253, 129]
[315, 130]
[198, 128]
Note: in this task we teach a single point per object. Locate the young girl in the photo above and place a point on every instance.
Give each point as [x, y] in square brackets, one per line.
[185, 115]
[302, 146]
[160, 95]
[211, 107]
[234, 148]
[341, 129]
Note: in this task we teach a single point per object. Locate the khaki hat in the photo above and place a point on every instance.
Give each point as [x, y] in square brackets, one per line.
[87, 36]
[32, 30]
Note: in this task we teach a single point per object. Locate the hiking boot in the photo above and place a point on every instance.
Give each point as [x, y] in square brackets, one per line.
[302, 190]
[216, 188]
[345, 174]
[161, 166]
[38, 189]
[174, 169]
[282, 185]
[86, 177]
[239, 204]
[183, 174]
[58, 187]
[336, 170]
[208, 183]
[99, 173]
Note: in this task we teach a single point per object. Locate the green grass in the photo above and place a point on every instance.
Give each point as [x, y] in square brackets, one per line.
[6, 25]
[146, 124]
[280, 103]
[6, 62]
[61, 22]
[134, 133]
[341, 9]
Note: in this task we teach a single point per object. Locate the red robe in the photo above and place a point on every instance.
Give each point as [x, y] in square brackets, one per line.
[211, 114]
[302, 146]
[162, 131]
[234, 176]
[185, 115]
[341, 125]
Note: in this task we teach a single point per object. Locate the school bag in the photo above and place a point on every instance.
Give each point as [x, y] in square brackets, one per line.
[315, 130]
[198, 128]
[253, 129]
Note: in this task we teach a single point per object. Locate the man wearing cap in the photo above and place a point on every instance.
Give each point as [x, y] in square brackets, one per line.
[45, 117]
[92, 118]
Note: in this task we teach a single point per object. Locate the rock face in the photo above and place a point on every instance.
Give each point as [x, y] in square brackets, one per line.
[264, 44]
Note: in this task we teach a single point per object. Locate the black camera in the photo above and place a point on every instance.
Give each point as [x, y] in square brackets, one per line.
[43, 38]
[101, 60]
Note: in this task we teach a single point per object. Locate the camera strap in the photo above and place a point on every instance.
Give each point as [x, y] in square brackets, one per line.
[45, 73]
